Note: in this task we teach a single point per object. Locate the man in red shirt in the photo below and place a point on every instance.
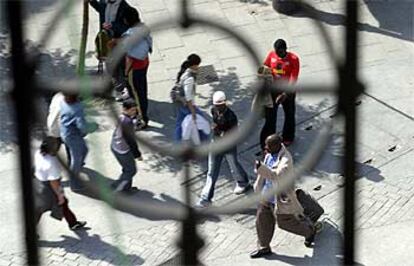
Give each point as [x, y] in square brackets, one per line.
[283, 65]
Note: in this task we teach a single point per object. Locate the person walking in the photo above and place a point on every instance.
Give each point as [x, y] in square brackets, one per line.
[224, 121]
[283, 65]
[186, 78]
[73, 129]
[49, 194]
[124, 146]
[53, 121]
[285, 208]
[137, 62]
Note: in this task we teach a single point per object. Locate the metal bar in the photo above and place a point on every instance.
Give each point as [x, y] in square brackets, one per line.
[22, 96]
[349, 92]
[190, 240]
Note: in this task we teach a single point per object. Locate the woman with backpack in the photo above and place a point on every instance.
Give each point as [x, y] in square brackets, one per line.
[186, 80]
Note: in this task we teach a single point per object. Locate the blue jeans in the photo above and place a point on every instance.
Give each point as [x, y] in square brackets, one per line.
[182, 112]
[214, 164]
[129, 169]
[78, 151]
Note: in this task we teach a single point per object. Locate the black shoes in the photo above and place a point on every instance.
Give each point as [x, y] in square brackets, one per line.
[260, 253]
[78, 225]
[309, 241]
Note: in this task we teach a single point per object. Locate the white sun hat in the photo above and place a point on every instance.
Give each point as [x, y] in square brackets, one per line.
[219, 97]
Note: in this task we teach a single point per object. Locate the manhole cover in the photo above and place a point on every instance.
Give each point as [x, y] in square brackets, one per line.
[206, 74]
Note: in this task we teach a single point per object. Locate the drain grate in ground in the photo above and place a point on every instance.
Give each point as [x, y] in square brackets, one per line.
[206, 74]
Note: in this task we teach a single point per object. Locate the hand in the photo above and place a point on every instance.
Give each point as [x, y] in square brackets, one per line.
[139, 158]
[107, 25]
[61, 199]
[281, 98]
[112, 43]
[257, 164]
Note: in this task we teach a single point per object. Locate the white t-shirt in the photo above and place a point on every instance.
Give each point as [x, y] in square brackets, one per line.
[47, 167]
[188, 83]
[53, 117]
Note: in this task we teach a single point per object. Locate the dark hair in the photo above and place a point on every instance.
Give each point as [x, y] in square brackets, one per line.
[129, 103]
[47, 145]
[192, 60]
[280, 44]
[132, 16]
[70, 97]
[273, 140]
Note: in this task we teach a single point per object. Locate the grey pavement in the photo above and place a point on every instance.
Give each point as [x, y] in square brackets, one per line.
[385, 146]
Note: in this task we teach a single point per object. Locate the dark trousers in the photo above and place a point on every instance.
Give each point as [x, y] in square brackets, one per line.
[140, 87]
[129, 169]
[265, 224]
[67, 214]
[269, 126]
[302, 226]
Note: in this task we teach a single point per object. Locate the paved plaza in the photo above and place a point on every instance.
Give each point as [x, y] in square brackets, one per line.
[385, 146]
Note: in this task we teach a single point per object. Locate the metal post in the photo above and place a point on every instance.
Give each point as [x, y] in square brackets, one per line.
[22, 96]
[190, 242]
[349, 92]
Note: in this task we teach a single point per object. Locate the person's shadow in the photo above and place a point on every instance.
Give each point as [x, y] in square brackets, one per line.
[142, 196]
[327, 249]
[395, 17]
[94, 248]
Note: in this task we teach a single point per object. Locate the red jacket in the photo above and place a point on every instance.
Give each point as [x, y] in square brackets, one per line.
[283, 68]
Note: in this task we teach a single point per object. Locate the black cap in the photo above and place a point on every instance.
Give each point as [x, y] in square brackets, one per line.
[129, 103]
[280, 44]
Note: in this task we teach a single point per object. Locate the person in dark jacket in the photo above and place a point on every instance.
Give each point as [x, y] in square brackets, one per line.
[49, 194]
[224, 120]
[124, 146]
[112, 21]
[111, 15]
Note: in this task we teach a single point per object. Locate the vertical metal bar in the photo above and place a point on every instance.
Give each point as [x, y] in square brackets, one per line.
[185, 18]
[190, 239]
[349, 91]
[22, 96]
[184, 10]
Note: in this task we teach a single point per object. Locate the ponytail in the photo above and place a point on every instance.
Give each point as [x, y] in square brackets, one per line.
[183, 68]
[192, 60]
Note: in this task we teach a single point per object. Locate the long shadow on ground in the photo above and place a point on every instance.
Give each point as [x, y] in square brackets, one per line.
[395, 18]
[326, 251]
[94, 248]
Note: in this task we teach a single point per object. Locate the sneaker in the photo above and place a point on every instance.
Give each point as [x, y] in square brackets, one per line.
[203, 204]
[78, 225]
[309, 240]
[240, 190]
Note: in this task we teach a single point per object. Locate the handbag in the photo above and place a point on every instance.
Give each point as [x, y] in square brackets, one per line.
[177, 94]
[102, 47]
[311, 208]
